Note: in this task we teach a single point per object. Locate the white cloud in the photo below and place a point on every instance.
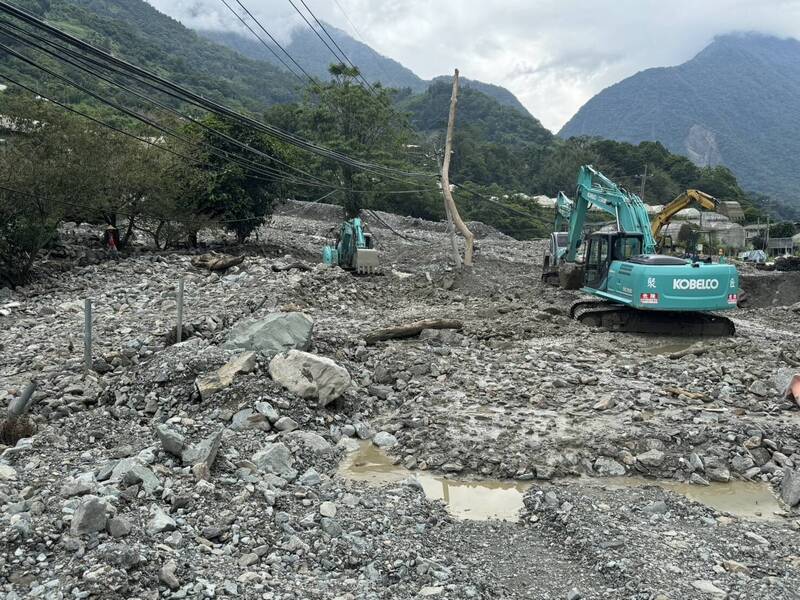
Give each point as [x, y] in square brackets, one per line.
[553, 54]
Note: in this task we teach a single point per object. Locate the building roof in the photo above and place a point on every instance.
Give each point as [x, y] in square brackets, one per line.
[731, 209]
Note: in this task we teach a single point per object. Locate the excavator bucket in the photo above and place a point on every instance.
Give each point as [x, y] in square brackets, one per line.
[367, 261]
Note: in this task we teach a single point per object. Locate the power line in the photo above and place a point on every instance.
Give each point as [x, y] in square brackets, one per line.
[82, 66]
[161, 147]
[297, 64]
[201, 102]
[236, 159]
[258, 37]
[338, 47]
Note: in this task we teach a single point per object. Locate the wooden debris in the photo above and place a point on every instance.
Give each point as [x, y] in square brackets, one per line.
[687, 393]
[411, 329]
[216, 262]
[299, 265]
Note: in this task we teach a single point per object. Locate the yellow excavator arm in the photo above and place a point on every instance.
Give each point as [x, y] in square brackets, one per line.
[686, 199]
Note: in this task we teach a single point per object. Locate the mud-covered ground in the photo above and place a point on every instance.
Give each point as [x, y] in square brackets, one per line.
[520, 393]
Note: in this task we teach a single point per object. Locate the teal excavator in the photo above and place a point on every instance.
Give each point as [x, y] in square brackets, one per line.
[353, 249]
[634, 289]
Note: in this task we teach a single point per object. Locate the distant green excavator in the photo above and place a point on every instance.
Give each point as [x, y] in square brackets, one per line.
[353, 249]
[635, 289]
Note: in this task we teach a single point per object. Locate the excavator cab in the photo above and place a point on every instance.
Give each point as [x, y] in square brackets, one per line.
[604, 248]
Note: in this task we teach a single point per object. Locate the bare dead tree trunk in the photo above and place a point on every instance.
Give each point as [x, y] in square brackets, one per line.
[450, 204]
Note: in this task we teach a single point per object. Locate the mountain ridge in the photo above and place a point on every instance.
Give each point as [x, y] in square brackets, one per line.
[736, 103]
[312, 55]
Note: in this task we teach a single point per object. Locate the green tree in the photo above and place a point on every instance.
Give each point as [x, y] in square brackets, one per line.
[350, 119]
[228, 191]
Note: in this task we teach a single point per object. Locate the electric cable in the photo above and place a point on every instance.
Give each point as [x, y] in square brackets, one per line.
[209, 105]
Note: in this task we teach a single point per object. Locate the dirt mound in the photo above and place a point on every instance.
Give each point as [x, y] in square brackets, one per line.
[770, 289]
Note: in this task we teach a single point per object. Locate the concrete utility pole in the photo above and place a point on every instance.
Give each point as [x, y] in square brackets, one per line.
[449, 203]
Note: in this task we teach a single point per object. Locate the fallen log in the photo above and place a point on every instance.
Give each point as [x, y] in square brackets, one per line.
[216, 262]
[411, 330]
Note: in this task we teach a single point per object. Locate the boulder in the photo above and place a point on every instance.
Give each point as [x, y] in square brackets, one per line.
[205, 452]
[171, 441]
[160, 522]
[91, 516]
[276, 333]
[211, 383]
[384, 439]
[310, 376]
[312, 441]
[608, 467]
[276, 459]
[790, 488]
[651, 458]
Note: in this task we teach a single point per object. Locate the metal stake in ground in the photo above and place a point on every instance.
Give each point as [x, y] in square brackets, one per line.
[87, 335]
[179, 331]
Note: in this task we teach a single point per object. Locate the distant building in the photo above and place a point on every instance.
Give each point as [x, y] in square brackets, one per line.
[758, 230]
[780, 246]
[731, 209]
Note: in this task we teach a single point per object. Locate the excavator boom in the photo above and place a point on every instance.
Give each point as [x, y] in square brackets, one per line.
[686, 199]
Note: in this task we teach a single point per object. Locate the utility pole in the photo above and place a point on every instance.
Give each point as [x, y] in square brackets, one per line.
[448, 195]
[451, 230]
[644, 182]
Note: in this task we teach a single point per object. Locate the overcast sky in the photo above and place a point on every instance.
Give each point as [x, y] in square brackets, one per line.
[553, 54]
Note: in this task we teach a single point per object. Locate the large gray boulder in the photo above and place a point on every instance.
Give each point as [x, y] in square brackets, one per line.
[91, 516]
[310, 376]
[273, 334]
[276, 459]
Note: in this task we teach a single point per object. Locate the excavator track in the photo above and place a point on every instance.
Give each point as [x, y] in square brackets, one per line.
[618, 317]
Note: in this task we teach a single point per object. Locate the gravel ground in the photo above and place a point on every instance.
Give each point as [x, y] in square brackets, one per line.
[98, 503]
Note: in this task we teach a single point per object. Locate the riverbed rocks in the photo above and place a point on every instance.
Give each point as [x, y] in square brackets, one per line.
[310, 376]
[238, 494]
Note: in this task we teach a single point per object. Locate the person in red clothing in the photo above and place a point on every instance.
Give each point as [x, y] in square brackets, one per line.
[111, 240]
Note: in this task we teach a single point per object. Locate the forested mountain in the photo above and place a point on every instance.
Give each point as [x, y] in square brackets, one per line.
[315, 58]
[736, 103]
[499, 150]
[135, 31]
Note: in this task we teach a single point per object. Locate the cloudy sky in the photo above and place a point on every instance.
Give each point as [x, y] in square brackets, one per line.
[553, 54]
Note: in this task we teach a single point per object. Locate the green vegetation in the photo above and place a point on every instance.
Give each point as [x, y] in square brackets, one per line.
[66, 168]
[77, 170]
[736, 103]
[135, 31]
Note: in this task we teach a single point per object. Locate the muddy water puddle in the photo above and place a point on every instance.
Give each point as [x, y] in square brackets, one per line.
[479, 500]
[672, 348]
[744, 499]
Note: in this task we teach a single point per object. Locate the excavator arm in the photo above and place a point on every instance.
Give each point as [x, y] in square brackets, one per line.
[595, 189]
[686, 199]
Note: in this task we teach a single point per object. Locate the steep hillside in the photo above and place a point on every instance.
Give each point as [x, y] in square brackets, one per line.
[307, 50]
[737, 103]
[137, 32]
[315, 58]
[488, 118]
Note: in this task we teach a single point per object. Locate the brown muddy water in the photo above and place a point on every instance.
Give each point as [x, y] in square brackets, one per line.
[479, 500]
[744, 499]
[488, 499]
